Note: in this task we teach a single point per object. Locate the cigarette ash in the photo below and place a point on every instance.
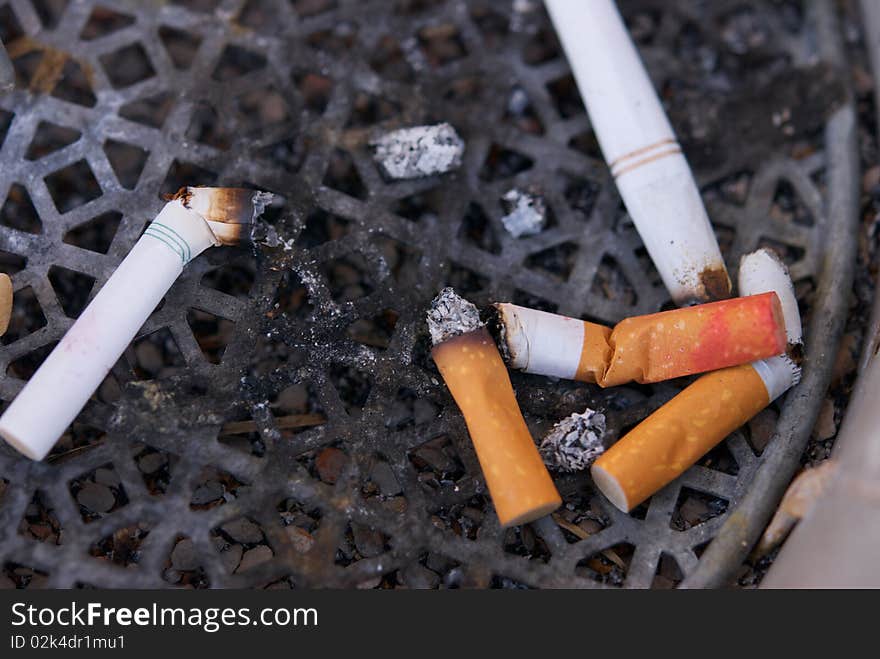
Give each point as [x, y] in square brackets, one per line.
[451, 315]
[575, 442]
[418, 151]
[526, 213]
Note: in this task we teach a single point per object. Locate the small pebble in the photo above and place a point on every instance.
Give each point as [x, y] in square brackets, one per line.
[254, 557]
[96, 497]
[184, 556]
[301, 539]
[244, 531]
[330, 463]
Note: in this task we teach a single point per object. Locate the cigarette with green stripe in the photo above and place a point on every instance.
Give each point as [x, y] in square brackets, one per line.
[193, 220]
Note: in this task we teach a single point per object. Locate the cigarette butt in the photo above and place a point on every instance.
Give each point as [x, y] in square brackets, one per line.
[762, 271]
[518, 481]
[674, 437]
[647, 348]
[5, 302]
[641, 149]
[72, 372]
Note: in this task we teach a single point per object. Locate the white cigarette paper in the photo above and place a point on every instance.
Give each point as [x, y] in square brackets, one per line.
[639, 145]
[72, 372]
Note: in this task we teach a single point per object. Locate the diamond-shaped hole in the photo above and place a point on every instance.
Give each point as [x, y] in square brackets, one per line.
[25, 366]
[103, 21]
[150, 111]
[123, 546]
[503, 163]
[542, 47]
[291, 298]
[73, 186]
[402, 260]
[322, 227]
[437, 463]
[296, 408]
[71, 288]
[352, 385]
[521, 114]
[155, 355]
[557, 261]
[389, 61]
[788, 206]
[236, 61]
[465, 281]
[49, 138]
[525, 299]
[726, 237]
[182, 174]
[242, 545]
[127, 66]
[288, 153]
[612, 284]
[98, 492]
[40, 522]
[462, 519]
[182, 46]
[420, 206]
[524, 541]
[477, 229]
[314, 89]
[75, 85]
[720, 459]
[441, 44]
[348, 277]
[10, 28]
[127, 161]
[234, 278]
[49, 11]
[381, 482]
[581, 515]
[761, 429]
[263, 107]
[11, 263]
[360, 541]
[668, 575]
[97, 234]
[215, 487]
[608, 566]
[206, 126]
[240, 433]
[26, 318]
[587, 144]
[367, 110]
[342, 175]
[184, 565]
[375, 332]
[155, 466]
[300, 524]
[566, 97]
[212, 333]
[694, 508]
[5, 123]
[581, 195]
[26, 66]
[22, 577]
[18, 211]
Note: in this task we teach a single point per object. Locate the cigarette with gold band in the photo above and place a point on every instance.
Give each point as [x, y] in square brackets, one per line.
[674, 437]
[641, 149]
[193, 220]
[643, 349]
[468, 359]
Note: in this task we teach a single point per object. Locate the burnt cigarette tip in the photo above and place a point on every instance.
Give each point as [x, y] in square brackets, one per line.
[451, 315]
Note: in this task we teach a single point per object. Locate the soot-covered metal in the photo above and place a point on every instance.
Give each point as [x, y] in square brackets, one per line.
[278, 422]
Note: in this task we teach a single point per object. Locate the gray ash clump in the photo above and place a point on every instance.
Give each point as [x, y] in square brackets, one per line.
[418, 151]
[575, 442]
[451, 315]
[526, 213]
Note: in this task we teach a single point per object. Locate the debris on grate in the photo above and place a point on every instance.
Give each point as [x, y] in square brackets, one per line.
[418, 151]
[526, 213]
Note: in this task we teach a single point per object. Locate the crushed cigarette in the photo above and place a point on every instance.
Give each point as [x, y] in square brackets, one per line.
[805, 490]
[5, 302]
[468, 359]
[647, 348]
[762, 271]
[575, 442]
[451, 315]
[418, 151]
[193, 220]
[526, 213]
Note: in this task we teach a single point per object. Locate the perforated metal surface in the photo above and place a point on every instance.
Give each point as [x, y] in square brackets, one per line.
[114, 107]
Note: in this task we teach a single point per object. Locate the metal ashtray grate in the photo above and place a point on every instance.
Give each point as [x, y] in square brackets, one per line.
[279, 421]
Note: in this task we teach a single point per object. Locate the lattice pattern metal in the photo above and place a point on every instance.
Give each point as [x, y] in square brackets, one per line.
[188, 466]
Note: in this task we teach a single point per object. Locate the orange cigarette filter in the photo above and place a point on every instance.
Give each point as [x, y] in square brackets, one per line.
[645, 349]
[518, 481]
[674, 437]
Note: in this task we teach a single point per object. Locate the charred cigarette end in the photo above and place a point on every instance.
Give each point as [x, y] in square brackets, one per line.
[715, 282]
[230, 212]
[5, 302]
[526, 213]
[575, 442]
[451, 315]
[418, 151]
[518, 482]
[763, 270]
